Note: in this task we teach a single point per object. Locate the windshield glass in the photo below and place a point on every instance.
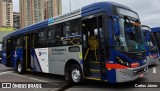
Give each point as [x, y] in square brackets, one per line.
[157, 35]
[131, 37]
[126, 12]
[150, 40]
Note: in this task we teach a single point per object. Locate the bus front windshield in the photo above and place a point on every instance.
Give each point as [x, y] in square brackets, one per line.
[151, 42]
[131, 38]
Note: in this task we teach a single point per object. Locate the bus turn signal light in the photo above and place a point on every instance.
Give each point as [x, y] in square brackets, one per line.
[134, 65]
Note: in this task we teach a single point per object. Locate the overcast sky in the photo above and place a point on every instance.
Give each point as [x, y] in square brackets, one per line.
[148, 10]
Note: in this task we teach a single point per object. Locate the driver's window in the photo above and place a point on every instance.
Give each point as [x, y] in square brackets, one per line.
[120, 41]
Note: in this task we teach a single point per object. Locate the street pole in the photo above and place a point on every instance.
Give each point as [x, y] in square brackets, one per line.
[70, 5]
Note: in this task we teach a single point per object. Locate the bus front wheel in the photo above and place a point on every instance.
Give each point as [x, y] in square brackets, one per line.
[76, 74]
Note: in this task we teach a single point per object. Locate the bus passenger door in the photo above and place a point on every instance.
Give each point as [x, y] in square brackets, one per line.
[93, 46]
[27, 53]
[9, 53]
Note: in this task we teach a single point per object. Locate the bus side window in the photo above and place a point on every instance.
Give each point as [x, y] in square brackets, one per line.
[58, 35]
[19, 42]
[51, 36]
[4, 45]
[41, 38]
[66, 29]
[71, 29]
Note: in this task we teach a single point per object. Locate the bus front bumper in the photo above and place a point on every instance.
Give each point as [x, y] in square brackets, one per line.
[130, 74]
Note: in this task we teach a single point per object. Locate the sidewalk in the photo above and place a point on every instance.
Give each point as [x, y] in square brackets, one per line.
[3, 68]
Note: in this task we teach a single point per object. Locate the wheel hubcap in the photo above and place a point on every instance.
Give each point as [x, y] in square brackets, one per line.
[76, 76]
[19, 67]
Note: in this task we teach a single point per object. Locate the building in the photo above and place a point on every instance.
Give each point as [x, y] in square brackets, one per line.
[6, 18]
[23, 13]
[33, 11]
[6, 13]
[54, 8]
[16, 20]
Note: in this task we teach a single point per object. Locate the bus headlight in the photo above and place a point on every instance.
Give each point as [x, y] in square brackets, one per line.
[122, 62]
[144, 61]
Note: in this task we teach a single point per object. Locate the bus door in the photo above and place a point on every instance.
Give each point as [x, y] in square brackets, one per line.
[27, 54]
[9, 52]
[93, 46]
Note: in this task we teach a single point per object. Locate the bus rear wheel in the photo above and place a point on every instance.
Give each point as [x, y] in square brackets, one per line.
[20, 69]
[76, 74]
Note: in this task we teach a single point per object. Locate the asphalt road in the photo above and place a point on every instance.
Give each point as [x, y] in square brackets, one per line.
[53, 82]
[58, 83]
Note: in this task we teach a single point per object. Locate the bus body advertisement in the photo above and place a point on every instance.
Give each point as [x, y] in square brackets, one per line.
[152, 51]
[102, 41]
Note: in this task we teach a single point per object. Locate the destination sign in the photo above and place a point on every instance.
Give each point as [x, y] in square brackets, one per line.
[61, 17]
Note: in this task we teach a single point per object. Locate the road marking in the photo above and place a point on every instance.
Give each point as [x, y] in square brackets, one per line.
[2, 73]
[154, 70]
[33, 78]
[10, 72]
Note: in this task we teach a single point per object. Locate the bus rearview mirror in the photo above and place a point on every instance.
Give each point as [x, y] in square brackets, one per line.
[116, 28]
[116, 25]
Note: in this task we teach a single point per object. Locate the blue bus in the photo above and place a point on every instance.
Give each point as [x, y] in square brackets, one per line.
[156, 32]
[0, 50]
[152, 51]
[102, 41]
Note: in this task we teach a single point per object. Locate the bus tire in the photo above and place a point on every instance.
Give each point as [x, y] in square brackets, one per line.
[75, 74]
[20, 68]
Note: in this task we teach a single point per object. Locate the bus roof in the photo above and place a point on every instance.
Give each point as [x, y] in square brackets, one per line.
[84, 11]
[156, 29]
[144, 28]
[28, 29]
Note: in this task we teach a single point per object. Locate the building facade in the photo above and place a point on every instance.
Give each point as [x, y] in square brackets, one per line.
[33, 11]
[6, 13]
[54, 8]
[16, 20]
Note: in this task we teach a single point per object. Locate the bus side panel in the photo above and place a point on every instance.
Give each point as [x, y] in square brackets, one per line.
[111, 75]
[35, 65]
[17, 56]
[4, 59]
[13, 61]
[41, 55]
[59, 56]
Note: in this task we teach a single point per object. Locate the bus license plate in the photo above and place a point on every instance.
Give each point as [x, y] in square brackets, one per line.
[141, 75]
